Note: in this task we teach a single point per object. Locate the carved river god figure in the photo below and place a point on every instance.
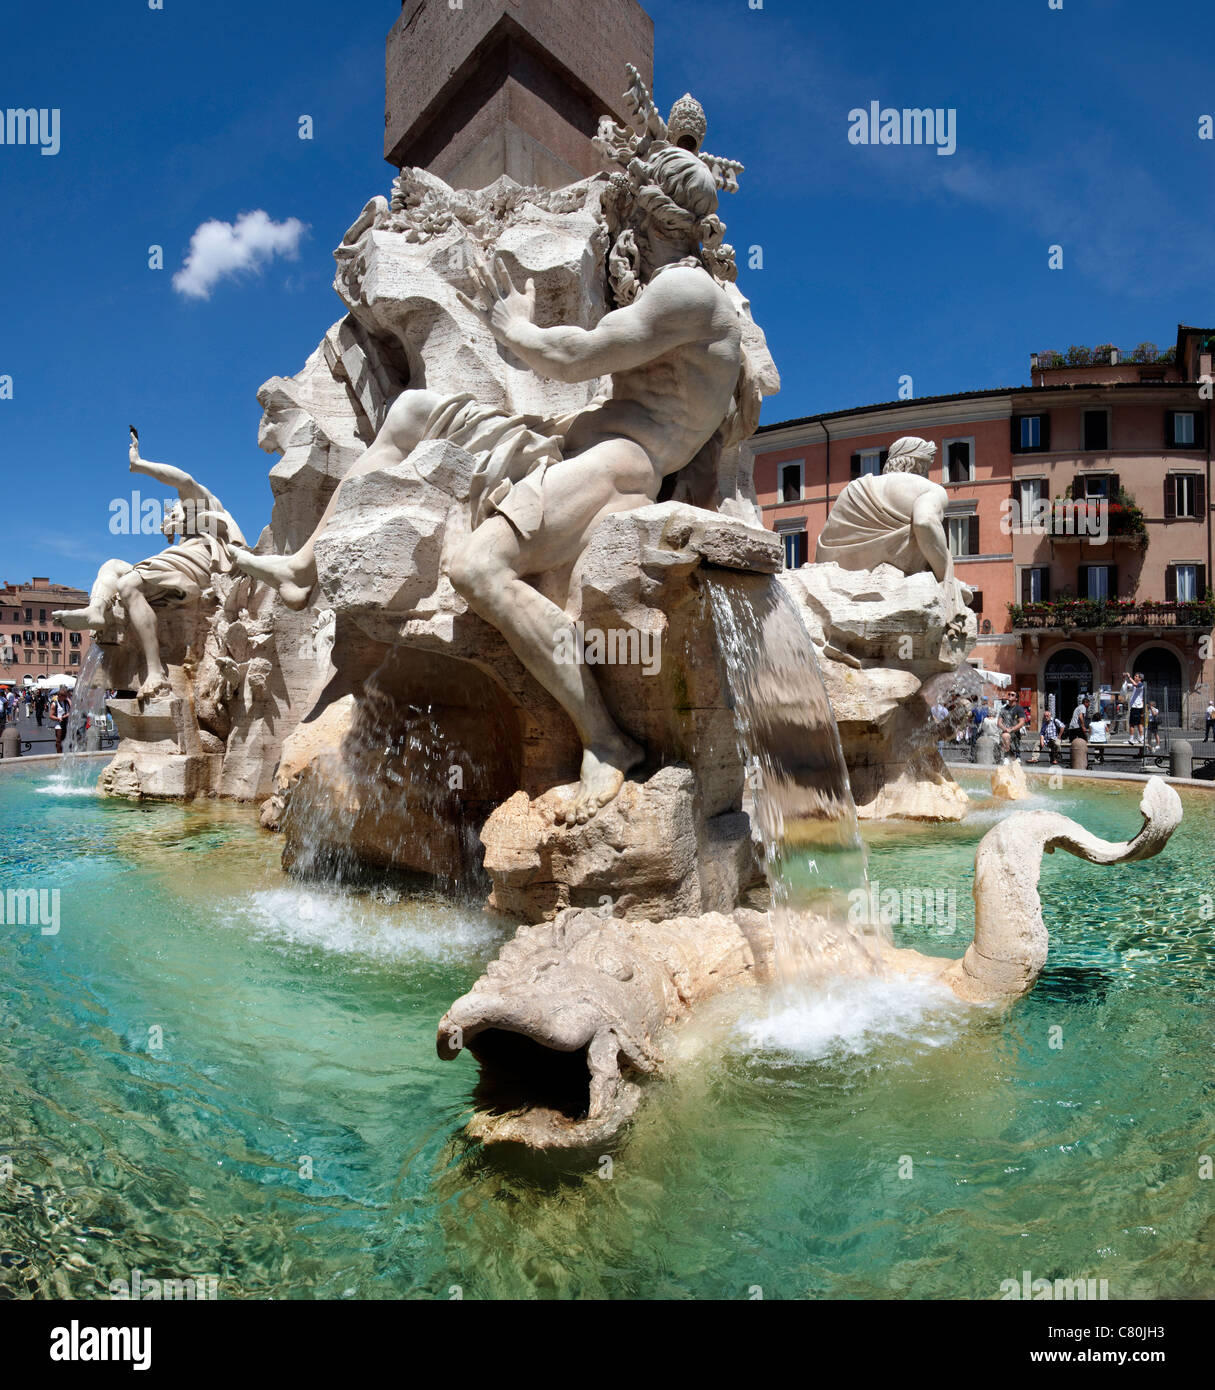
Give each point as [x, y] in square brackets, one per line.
[896, 518]
[679, 390]
[178, 575]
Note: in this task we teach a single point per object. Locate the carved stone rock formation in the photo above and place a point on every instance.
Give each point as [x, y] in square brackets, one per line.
[881, 636]
[1008, 781]
[678, 843]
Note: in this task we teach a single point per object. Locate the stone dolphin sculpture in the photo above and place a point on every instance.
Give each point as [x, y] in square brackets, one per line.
[572, 1005]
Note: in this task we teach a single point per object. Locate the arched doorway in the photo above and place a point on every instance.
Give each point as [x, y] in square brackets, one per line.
[1069, 674]
[1161, 672]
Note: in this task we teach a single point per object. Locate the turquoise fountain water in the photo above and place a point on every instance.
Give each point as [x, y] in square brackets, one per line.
[296, 1038]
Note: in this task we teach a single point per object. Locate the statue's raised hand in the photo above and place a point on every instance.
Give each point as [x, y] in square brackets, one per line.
[498, 304]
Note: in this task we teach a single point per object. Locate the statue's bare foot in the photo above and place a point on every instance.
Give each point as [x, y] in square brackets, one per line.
[156, 684]
[294, 576]
[603, 773]
[76, 619]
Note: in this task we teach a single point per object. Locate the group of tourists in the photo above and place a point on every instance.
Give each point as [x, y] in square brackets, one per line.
[42, 706]
[1095, 719]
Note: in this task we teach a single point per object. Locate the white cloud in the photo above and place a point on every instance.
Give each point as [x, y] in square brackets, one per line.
[219, 249]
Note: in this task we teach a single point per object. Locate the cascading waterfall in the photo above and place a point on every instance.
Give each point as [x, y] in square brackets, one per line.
[394, 773]
[86, 719]
[800, 799]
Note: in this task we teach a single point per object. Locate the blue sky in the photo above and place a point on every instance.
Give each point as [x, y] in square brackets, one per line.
[1077, 127]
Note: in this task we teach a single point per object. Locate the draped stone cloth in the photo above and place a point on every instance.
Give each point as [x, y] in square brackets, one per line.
[181, 573]
[867, 528]
[513, 453]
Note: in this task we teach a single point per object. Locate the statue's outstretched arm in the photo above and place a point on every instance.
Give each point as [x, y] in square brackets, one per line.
[171, 477]
[667, 316]
[177, 478]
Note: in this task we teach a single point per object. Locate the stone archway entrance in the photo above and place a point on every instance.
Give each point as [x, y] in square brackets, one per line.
[1161, 673]
[1068, 675]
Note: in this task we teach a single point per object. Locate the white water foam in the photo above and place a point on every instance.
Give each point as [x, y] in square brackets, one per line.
[852, 1017]
[61, 785]
[353, 925]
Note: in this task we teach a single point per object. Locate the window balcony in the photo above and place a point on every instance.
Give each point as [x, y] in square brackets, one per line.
[1085, 614]
[1082, 521]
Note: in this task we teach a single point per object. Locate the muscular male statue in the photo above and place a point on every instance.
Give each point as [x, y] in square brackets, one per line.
[674, 356]
[176, 576]
[897, 518]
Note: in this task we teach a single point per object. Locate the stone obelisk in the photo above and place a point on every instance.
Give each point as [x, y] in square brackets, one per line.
[483, 88]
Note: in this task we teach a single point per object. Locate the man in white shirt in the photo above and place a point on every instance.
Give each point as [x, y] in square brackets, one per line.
[1078, 727]
[1135, 692]
[1210, 729]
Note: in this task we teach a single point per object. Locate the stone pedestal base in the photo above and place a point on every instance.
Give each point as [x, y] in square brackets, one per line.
[163, 753]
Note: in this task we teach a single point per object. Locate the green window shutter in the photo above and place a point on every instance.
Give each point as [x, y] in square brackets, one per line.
[1170, 583]
[973, 540]
[854, 466]
[1170, 498]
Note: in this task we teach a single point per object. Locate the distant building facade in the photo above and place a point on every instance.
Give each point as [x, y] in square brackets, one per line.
[31, 642]
[1080, 509]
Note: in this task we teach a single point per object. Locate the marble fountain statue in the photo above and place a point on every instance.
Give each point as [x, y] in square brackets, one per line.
[516, 625]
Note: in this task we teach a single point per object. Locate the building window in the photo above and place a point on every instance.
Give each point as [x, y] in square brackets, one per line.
[74, 659]
[42, 615]
[42, 639]
[1097, 581]
[791, 482]
[1184, 496]
[74, 639]
[963, 533]
[56, 639]
[28, 638]
[794, 542]
[1035, 584]
[959, 461]
[1030, 434]
[1096, 487]
[29, 615]
[1185, 583]
[868, 461]
[1028, 493]
[1096, 430]
[1184, 429]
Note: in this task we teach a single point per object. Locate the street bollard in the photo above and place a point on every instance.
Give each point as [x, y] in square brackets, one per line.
[1181, 758]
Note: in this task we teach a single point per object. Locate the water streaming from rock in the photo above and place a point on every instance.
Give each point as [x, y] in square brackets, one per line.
[800, 799]
[87, 720]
